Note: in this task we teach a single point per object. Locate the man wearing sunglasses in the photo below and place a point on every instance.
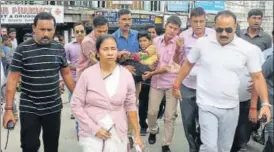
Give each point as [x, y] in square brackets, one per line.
[73, 50]
[222, 58]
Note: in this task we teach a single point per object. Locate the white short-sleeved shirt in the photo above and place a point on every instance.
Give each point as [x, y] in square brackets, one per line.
[244, 95]
[218, 77]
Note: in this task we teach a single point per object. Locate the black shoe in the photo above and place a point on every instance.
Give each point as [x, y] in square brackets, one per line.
[131, 142]
[152, 138]
[165, 149]
[143, 131]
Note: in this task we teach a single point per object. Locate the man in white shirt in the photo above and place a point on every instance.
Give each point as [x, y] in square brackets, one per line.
[222, 58]
[189, 108]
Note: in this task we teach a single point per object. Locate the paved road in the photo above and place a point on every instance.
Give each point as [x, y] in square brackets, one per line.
[68, 142]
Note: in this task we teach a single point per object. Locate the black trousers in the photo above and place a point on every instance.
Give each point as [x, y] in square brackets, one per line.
[244, 128]
[31, 125]
[143, 106]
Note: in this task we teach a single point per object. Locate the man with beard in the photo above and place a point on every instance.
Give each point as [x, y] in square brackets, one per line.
[73, 50]
[87, 56]
[222, 58]
[38, 62]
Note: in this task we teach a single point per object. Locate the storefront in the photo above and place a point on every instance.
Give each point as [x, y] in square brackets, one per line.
[21, 17]
[139, 20]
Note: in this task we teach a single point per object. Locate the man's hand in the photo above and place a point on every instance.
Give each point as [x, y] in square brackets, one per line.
[130, 69]
[179, 43]
[155, 64]
[139, 141]
[177, 94]
[62, 86]
[92, 56]
[253, 115]
[265, 110]
[147, 75]
[8, 116]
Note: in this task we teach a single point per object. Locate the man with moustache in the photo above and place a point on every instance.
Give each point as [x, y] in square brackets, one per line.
[126, 38]
[254, 33]
[87, 56]
[127, 41]
[222, 58]
[189, 108]
[73, 50]
[38, 62]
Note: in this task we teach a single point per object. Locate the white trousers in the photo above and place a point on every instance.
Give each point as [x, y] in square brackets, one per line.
[95, 144]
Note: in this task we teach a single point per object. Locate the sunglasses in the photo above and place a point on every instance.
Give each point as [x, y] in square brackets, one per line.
[82, 31]
[227, 30]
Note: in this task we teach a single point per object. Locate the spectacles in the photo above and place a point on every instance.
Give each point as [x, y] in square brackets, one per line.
[227, 30]
[82, 31]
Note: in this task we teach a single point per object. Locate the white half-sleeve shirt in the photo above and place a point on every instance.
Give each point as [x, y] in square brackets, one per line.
[218, 77]
[245, 77]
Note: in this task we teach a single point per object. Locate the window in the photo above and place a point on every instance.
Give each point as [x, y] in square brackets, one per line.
[155, 6]
[101, 4]
[52, 2]
[72, 3]
[125, 6]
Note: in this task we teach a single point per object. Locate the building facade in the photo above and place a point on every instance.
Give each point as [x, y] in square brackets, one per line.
[241, 9]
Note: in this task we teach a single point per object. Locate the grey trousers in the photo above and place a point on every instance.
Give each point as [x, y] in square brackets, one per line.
[217, 128]
[189, 111]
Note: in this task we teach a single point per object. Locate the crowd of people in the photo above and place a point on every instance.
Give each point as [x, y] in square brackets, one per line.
[121, 84]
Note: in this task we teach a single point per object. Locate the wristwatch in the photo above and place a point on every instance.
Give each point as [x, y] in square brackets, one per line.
[266, 104]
